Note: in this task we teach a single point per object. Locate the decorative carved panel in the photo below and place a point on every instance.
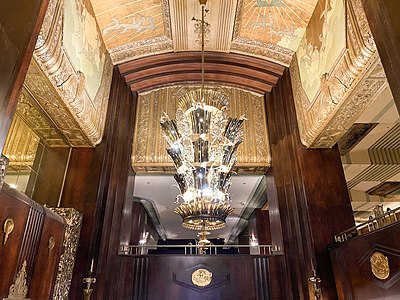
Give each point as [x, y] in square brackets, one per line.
[70, 74]
[149, 155]
[73, 220]
[353, 83]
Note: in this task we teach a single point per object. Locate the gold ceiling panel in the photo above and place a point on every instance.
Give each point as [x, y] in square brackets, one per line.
[134, 28]
[271, 28]
[148, 151]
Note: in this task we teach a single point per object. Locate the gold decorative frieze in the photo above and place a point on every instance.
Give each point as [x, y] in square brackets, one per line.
[148, 152]
[73, 220]
[70, 74]
[327, 106]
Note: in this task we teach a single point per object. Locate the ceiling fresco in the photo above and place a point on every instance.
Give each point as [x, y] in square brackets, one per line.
[271, 29]
[134, 28]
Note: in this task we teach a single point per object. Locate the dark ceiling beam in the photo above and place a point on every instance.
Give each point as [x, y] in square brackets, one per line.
[161, 70]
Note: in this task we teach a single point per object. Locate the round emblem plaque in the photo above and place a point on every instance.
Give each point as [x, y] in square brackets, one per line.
[380, 265]
[201, 277]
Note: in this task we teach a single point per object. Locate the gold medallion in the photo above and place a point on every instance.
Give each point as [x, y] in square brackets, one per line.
[380, 265]
[201, 277]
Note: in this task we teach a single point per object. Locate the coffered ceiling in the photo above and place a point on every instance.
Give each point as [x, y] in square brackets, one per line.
[271, 29]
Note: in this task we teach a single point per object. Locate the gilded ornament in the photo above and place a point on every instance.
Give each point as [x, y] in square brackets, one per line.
[8, 227]
[19, 289]
[73, 220]
[201, 277]
[380, 266]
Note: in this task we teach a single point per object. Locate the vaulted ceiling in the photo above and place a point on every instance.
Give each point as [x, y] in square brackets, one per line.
[270, 29]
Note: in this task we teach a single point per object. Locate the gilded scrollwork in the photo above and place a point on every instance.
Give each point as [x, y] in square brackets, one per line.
[73, 220]
[355, 80]
[80, 117]
[150, 155]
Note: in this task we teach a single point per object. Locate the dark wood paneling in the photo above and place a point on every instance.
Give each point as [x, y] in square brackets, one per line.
[23, 242]
[112, 161]
[384, 21]
[309, 195]
[77, 178]
[50, 170]
[46, 262]
[221, 68]
[352, 267]
[20, 23]
[166, 277]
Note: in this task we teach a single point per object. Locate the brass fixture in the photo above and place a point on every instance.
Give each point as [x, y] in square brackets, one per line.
[8, 227]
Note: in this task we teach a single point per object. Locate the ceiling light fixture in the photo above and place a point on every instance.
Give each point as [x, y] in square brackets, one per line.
[203, 142]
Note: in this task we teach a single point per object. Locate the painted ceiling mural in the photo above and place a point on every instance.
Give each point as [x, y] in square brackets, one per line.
[70, 73]
[271, 29]
[133, 28]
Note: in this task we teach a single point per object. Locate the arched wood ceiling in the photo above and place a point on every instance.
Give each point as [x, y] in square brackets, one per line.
[161, 70]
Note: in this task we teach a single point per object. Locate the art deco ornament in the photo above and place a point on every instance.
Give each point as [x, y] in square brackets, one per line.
[202, 144]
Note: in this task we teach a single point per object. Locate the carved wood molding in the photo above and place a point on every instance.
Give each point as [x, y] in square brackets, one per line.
[356, 80]
[65, 98]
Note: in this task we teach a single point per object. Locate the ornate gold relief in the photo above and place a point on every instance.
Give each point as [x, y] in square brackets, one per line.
[380, 266]
[356, 80]
[149, 155]
[61, 89]
[21, 143]
[201, 277]
[73, 220]
[19, 289]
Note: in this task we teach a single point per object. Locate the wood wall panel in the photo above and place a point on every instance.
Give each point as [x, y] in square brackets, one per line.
[308, 198]
[384, 21]
[46, 262]
[108, 186]
[29, 242]
[166, 277]
[352, 268]
[20, 22]
[10, 253]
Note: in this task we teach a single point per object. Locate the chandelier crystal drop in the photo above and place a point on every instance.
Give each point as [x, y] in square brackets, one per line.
[202, 143]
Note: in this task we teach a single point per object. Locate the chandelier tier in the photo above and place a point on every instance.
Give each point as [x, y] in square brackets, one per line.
[202, 142]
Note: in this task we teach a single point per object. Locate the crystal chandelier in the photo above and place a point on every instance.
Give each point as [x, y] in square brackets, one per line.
[202, 144]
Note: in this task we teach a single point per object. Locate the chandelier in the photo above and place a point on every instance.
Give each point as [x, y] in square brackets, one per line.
[202, 142]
